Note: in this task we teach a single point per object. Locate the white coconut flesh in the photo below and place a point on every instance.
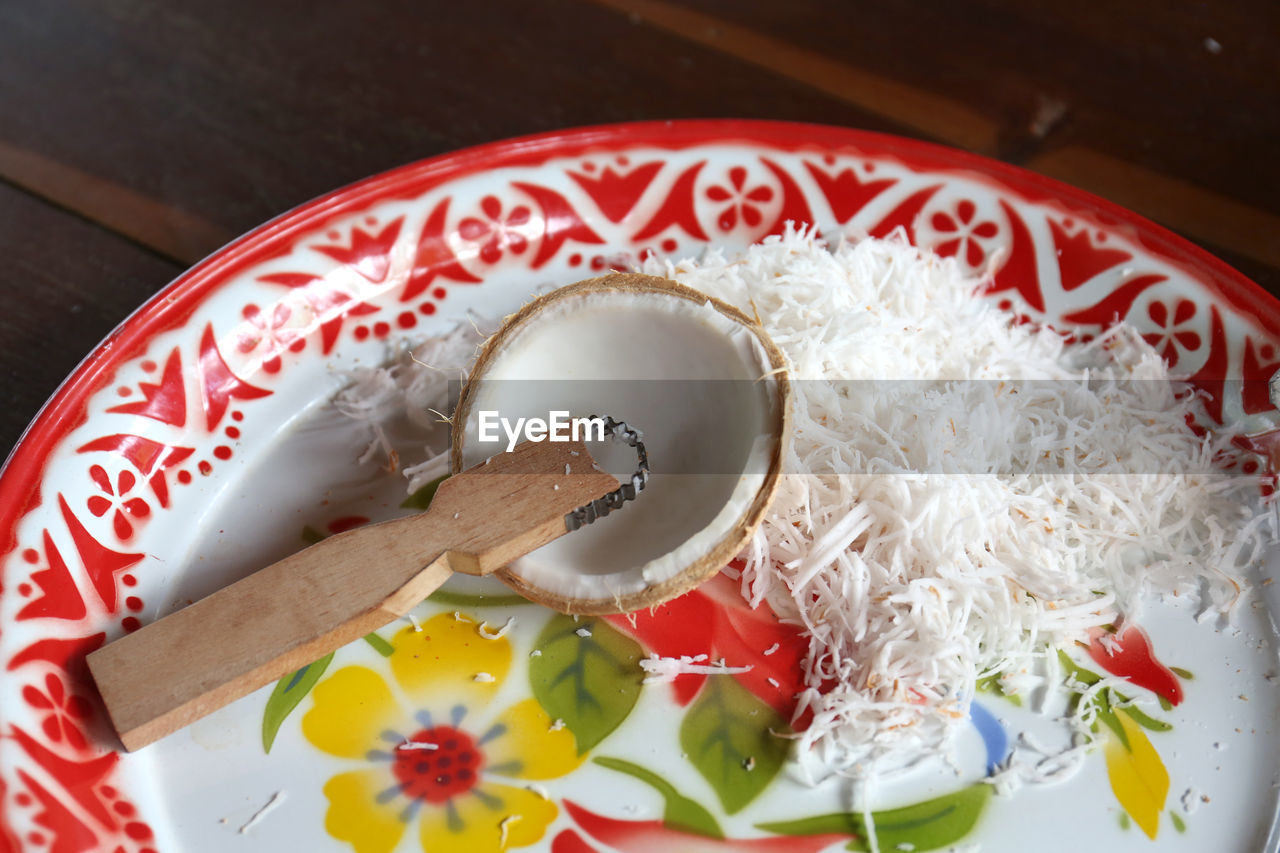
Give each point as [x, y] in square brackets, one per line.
[648, 352]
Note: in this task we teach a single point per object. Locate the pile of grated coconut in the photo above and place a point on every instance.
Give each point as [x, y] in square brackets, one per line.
[930, 534]
[934, 533]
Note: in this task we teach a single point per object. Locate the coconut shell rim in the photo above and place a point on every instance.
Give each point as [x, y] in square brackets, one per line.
[727, 546]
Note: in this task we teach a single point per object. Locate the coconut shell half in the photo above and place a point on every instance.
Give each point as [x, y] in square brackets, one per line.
[701, 381]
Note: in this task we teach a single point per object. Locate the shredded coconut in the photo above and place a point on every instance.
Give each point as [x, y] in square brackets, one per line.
[1031, 762]
[661, 670]
[926, 536]
[583, 632]
[772, 649]
[503, 829]
[277, 799]
[556, 725]
[483, 629]
[412, 386]
[485, 677]
[417, 744]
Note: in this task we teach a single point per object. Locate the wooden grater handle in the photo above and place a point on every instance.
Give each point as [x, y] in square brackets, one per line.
[176, 670]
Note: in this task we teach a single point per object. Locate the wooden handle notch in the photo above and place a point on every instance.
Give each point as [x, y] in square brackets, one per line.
[176, 670]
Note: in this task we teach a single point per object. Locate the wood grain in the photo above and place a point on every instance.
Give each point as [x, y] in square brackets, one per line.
[174, 126]
[1137, 80]
[65, 284]
[163, 229]
[1181, 205]
[259, 629]
[919, 109]
[1036, 84]
[238, 111]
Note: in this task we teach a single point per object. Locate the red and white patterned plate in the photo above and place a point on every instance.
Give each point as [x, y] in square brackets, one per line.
[193, 445]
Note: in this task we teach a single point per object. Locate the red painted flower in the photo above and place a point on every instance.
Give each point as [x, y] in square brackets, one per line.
[1129, 655]
[116, 496]
[741, 200]
[272, 333]
[63, 711]
[495, 232]
[1264, 444]
[714, 620]
[1170, 331]
[968, 234]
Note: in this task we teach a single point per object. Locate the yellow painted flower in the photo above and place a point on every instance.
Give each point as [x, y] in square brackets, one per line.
[433, 751]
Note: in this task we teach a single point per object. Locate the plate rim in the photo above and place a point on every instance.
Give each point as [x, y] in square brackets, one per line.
[173, 305]
[174, 302]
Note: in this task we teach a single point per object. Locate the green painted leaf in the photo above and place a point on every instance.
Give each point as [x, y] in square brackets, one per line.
[1144, 720]
[591, 682]
[680, 812]
[1082, 675]
[310, 535]
[1178, 823]
[1107, 699]
[726, 735]
[1181, 673]
[1107, 716]
[289, 691]
[929, 825]
[462, 599]
[836, 823]
[380, 645]
[421, 499]
[991, 684]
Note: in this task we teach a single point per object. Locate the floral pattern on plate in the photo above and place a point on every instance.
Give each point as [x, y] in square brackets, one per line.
[112, 478]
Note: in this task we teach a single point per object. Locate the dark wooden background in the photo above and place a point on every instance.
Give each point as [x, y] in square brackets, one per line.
[136, 136]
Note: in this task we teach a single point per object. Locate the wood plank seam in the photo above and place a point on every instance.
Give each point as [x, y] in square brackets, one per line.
[933, 115]
[1199, 213]
[173, 234]
[1185, 207]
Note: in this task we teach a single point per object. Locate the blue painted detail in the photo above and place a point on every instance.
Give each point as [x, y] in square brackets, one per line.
[408, 812]
[993, 735]
[496, 730]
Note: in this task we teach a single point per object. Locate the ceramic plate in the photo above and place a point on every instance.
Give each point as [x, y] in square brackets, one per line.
[198, 443]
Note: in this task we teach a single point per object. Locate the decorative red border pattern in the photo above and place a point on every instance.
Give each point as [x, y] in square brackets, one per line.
[165, 393]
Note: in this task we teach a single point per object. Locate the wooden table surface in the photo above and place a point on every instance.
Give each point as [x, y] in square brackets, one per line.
[136, 136]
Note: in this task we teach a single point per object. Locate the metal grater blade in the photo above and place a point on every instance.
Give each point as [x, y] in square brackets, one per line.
[587, 513]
